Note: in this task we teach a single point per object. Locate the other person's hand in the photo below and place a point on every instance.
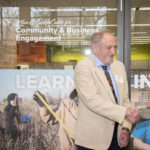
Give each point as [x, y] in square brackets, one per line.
[132, 114]
[37, 99]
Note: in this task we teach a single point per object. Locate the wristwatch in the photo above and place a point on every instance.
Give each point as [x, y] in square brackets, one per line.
[124, 128]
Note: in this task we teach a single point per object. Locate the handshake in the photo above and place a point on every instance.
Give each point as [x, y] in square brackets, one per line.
[133, 115]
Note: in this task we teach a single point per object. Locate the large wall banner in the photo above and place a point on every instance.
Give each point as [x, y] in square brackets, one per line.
[26, 123]
[38, 108]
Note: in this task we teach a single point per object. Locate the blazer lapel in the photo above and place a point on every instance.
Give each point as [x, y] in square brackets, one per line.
[101, 76]
[118, 84]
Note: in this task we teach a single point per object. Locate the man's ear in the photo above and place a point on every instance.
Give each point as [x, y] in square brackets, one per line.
[94, 48]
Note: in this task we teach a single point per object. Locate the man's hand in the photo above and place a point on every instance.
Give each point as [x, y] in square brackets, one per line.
[132, 114]
[124, 138]
[37, 99]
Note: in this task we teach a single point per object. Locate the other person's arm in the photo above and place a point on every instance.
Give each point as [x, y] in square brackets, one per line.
[140, 145]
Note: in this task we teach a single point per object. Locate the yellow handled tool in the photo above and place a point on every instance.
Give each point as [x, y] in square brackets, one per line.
[54, 114]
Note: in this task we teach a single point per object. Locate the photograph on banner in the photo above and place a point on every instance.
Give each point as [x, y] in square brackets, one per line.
[38, 109]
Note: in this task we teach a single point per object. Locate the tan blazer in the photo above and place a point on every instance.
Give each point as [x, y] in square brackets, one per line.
[97, 111]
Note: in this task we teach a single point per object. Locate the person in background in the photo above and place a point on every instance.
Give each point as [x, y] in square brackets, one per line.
[67, 113]
[141, 135]
[105, 115]
[12, 116]
[141, 132]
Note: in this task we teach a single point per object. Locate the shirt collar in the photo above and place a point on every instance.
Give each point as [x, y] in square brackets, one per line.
[99, 63]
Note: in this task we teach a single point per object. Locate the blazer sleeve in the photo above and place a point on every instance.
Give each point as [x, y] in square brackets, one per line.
[90, 97]
[126, 101]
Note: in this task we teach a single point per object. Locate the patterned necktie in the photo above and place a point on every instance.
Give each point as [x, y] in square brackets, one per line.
[110, 82]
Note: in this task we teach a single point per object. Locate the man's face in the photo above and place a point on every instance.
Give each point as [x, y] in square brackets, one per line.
[105, 49]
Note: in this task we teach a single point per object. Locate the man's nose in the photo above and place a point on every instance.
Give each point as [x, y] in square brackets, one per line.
[113, 50]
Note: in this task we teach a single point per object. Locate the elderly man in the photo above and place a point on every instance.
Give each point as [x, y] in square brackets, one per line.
[105, 115]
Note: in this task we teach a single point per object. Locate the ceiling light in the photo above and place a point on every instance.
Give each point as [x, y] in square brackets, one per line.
[87, 51]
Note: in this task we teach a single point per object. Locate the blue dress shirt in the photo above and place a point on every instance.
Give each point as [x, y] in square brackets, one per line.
[99, 64]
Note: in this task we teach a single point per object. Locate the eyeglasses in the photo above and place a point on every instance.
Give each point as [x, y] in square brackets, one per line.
[110, 47]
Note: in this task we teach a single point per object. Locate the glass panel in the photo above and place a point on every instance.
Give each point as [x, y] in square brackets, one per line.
[78, 29]
[40, 12]
[68, 11]
[10, 11]
[140, 36]
[140, 52]
[9, 28]
[0, 25]
[62, 32]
